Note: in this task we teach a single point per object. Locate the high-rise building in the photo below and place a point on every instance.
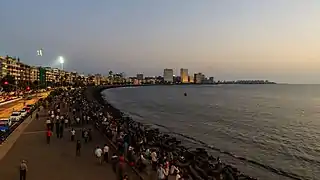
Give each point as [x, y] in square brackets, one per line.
[168, 75]
[184, 75]
[198, 78]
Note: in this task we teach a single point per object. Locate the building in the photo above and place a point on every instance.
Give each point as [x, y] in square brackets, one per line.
[140, 77]
[42, 72]
[168, 75]
[34, 74]
[11, 67]
[184, 75]
[199, 78]
[24, 71]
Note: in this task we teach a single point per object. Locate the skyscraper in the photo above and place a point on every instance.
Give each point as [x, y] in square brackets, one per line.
[184, 75]
[168, 75]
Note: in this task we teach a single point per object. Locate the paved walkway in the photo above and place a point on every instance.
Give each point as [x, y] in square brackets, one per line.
[56, 161]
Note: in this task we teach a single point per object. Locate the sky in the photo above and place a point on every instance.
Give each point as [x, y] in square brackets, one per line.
[278, 40]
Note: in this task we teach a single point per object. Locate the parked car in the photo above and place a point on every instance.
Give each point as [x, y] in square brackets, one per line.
[29, 106]
[23, 112]
[15, 116]
[27, 109]
[5, 125]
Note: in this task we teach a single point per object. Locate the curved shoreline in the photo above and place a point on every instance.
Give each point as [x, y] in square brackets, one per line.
[101, 100]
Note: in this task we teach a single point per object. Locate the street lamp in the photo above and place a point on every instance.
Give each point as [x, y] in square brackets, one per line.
[61, 60]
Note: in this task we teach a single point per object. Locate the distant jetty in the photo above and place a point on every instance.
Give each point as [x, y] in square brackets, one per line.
[246, 82]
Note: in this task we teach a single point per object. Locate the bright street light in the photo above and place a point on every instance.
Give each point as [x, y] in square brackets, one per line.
[61, 60]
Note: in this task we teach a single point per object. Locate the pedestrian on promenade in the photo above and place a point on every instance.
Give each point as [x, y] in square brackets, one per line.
[23, 170]
[73, 134]
[98, 153]
[78, 148]
[121, 167]
[49, 134]
[86, 136]
[106, 153]
[66, 122]
[37, 116]
[114, 161]
[125, 177]
[48, 124]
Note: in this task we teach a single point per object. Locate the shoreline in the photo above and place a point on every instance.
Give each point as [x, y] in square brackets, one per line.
[227, 170]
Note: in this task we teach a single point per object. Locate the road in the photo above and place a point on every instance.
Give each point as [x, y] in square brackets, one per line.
[6, 110]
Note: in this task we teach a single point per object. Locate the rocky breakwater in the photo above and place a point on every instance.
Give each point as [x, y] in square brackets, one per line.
[194, 164]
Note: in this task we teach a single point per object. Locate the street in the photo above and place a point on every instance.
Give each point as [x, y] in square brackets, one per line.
[6, 110]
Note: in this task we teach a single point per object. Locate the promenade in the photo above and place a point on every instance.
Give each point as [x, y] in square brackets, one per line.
[56, 161]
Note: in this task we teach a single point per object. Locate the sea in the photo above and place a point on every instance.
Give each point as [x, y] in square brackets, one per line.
[269, 131]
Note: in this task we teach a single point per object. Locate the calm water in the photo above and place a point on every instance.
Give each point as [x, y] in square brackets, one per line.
[264, 130]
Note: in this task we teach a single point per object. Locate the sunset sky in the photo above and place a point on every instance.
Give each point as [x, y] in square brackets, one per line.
[277, 40]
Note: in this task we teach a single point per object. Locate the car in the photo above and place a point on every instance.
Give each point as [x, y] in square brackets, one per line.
[29, 105]
[23, 112]
[29, 97]
[15, 116]
[27, 109]
[5, 125]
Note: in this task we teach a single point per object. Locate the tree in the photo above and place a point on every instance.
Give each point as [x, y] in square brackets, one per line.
[8, 83]
[110, 73]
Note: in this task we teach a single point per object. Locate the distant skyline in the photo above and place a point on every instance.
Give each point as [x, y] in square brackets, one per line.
[277, 40]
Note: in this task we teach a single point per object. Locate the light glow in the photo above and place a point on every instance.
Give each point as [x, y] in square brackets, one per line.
[61, 59]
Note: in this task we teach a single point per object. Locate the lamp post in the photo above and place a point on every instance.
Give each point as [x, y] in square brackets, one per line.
[61, 60]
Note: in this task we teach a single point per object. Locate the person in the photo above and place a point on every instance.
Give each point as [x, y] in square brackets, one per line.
[114, 161]
[154, 159]
[161, 172]
[23, 170]
[48, 124]
[121, 167]
[125, 177]
[73, 134]
[66, 122]
[49, 134]
[178, 176]
[98, 153]
[106, 153]
[37, 116]
[57, 128]
[78, 148]
[85, 135]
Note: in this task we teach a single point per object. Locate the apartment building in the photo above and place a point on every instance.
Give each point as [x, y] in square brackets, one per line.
[24, 71]
[34, 74]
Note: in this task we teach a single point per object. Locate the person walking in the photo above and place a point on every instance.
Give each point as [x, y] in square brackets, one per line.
[86, 136]
[78, 148]
[49, 134]
[114, 161]
[57, 128]
[73, 134]
[98, 153]
[106, 153]
[121, 167]
[23, 170]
